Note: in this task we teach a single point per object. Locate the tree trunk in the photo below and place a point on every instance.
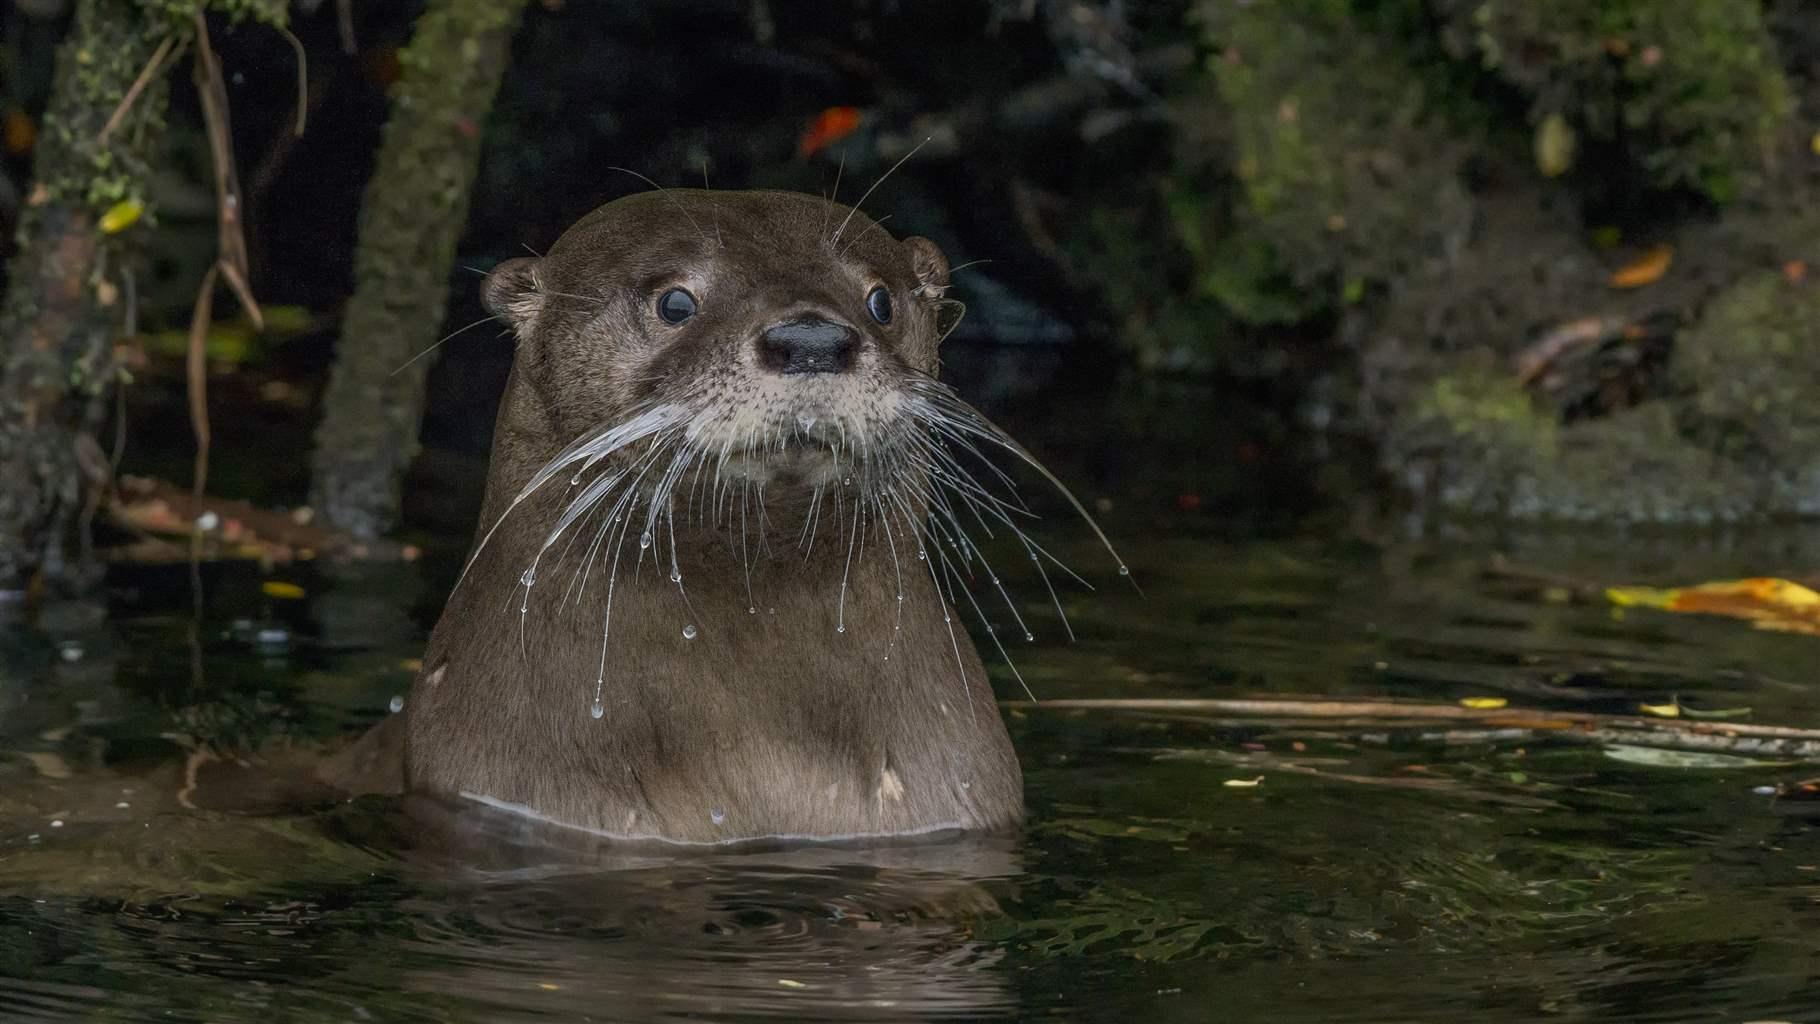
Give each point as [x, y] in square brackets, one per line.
[412, 216]
[63, 310]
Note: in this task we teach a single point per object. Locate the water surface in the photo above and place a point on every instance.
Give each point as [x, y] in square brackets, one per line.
[1347, 874]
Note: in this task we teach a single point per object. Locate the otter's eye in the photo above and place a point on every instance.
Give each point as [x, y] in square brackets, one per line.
[675, 306]
[878, 303]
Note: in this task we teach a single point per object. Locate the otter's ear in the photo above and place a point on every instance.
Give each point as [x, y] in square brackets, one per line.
[930, 265]
[510, 292]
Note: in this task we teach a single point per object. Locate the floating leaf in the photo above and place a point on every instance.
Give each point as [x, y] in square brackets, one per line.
[120, 216]
[1645, 269]
[281, 590]
[1554, 146]
[1655, 757]
[1483, 703]
[1764, 601]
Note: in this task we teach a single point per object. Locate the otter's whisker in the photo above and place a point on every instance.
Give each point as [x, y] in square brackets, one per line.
[972, 422]
[666, 192]
[445, 338]
[982, 502]
[851, 242]
[840, 606]
[745, 555]
[604, 442]
[578, 581]
[598, 709]
[960, 663]
[897, 625]
[881, 180]
[991, 631]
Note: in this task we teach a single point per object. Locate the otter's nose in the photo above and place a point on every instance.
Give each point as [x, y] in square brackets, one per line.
[808, 345]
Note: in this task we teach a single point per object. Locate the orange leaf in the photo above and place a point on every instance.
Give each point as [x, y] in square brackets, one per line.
[1766, 602]
[1645, 269]
[830, 126]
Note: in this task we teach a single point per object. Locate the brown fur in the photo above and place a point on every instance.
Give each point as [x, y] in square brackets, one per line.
[770, 721]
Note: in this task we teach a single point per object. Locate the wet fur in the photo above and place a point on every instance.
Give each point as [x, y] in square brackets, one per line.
[773, 720]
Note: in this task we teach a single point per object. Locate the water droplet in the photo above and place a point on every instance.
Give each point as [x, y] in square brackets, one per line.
[842, 628]
[397, 704]
[716, 815]
[644, 540]
[847, 482]
[1124, 570]
[994, 580]
[921, 555]
[806, 422]
[529, 577]
[597, 709]
[207, 521]
[575, 480]
[966, 785]
[751, 611]
[1033, 556]
[900, 599]
[689, 631]
[1029, 637]
[675, 576]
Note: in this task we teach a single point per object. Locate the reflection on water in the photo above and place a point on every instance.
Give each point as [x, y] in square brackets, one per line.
[1174, 867]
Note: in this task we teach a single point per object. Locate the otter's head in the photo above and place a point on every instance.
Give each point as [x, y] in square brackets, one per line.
[778, 336]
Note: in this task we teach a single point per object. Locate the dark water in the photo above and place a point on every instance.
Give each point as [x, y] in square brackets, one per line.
[1371, 875]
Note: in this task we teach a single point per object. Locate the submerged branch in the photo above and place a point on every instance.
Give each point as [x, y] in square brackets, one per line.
[1482, 724]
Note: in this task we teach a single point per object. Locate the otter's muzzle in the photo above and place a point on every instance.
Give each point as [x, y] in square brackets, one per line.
[808, 345]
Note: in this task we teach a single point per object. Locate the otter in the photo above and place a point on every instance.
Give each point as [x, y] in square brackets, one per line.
[713, 595]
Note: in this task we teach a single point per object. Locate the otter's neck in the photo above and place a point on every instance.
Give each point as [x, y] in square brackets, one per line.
[795, 672]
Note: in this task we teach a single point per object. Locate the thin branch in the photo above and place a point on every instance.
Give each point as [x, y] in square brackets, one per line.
[197, 367]
[1489, 723]
[153, 67]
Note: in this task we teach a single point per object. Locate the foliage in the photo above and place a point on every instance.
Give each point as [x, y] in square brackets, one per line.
[1691, 91]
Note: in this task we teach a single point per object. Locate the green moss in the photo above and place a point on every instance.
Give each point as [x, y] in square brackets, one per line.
[59, 320]
[1476, 443]
[411, 218]
[1751, 371]
[1691, 90]
[1343, 169]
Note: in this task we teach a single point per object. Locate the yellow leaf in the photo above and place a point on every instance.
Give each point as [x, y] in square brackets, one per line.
[1645, 269]
[1554, 146]
[1640, 597]
[1244, 783]
[1661, 710]
[1483, 703]
[1765, 601]
[120, 216]
[281, 590]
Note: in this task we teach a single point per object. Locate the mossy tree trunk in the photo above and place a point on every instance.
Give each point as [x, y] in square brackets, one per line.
[412, 216]
[61, 313]
[64, 306]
